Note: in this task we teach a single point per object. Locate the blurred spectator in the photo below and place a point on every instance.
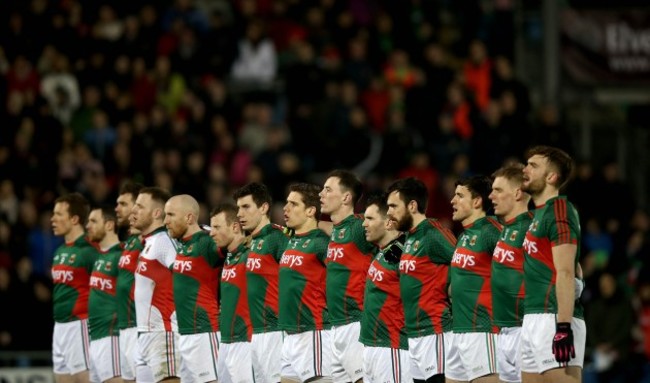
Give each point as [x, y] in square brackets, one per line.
[256, 62]
[611, 338]
[477, 71]
[61, 90]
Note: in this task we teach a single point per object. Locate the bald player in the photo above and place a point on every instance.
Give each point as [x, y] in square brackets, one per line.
[196, 274]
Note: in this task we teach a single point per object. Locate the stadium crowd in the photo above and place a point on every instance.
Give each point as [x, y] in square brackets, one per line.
[202, 97]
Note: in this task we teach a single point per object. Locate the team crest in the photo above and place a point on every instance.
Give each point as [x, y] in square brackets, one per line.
[416, 245]
[513, 236]
[109, 266]
[472, 242]
[304, 245]
[72, 258]
[259, 244]
[189, 248]
[341, 233]
[534, 225]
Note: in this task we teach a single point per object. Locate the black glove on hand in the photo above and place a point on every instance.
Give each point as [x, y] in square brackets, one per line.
[563, 348]
[393, 252]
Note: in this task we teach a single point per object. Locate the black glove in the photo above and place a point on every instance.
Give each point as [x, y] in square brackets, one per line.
[393, 252]
[563, 348]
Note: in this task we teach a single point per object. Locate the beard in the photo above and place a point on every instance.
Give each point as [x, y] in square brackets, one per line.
[405, 223]
[534, 187]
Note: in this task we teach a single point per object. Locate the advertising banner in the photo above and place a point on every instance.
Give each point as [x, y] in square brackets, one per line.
[601, 47]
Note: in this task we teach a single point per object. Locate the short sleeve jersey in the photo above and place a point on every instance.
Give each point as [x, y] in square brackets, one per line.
[154, 295]
[196, 284]
[234, 321]
[302, 283]
[471, 267]
[348, 259]
[508, 272]
[71, 267]
[382, 323]
[555, 223]
[126, 282]
[102, 302]
[262, 266]
[424, 274]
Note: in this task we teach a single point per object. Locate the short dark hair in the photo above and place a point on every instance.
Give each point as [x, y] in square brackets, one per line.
[77, 205]
[478, 186]
[558, 158]
[229, 210]
[157, 194]
[378, 199]
[411, 189]
[349, 182]
[309, 193]
[108, 212]
[258, 191]
[130, 187]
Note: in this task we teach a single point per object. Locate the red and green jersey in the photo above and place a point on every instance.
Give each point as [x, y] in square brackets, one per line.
[126, 282]
[266, 250]
[424, 269]
[382, 323]
[71, 267]
[348, 259]
[102, 301]
[508, 273]
[196, 284]
[555, 223]
[302, 283]
[471, 266]
[234, 321]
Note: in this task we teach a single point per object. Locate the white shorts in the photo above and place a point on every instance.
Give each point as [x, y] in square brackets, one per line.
[384, 364]
[199, 355]
[235, 365]
[537, 333]
[70, 347]
[347, 353]
[128, 352]
[266, 354]
[471, 355]
[105, 358]
[427, 355]
[160, 352]
[508, 361]
[306, 355]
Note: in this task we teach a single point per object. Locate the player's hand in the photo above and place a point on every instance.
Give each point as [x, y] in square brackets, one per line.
[579, 287]
[563, 348]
